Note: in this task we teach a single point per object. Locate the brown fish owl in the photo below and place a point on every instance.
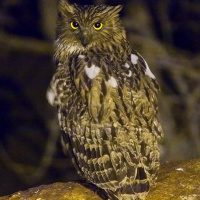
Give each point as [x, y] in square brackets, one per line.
[106, 97]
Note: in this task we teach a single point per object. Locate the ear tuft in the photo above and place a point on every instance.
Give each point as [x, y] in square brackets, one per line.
[113, 11]
[117, 9]
[64, 7]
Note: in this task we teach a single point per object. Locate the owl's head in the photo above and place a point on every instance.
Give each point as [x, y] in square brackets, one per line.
[86, 27]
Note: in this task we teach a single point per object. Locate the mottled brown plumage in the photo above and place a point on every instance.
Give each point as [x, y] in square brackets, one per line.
[106, 97]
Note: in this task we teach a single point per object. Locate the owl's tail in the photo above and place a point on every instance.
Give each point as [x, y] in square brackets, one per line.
[134, 188]
[130, 192]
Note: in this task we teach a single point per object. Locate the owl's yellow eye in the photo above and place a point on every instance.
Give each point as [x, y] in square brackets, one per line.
[98, 26]
[74, 25]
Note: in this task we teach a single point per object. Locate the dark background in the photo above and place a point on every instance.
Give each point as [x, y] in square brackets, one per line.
[166, 33]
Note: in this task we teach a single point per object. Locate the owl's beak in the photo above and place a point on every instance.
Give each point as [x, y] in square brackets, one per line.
[84, 40]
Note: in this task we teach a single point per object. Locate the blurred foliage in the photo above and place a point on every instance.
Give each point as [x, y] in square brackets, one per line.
[166, 33]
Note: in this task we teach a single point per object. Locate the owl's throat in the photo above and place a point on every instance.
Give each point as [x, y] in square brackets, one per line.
[66, 50]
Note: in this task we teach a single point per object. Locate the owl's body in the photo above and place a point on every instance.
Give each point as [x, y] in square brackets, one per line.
[107, 104]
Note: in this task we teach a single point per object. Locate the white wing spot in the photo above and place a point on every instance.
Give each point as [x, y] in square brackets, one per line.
[92, 72]
[129, 74]
[50, 96]
[127, 65]
[134, 59]
[60, 119]
[112, 81]
[81, 56]
[148, 71]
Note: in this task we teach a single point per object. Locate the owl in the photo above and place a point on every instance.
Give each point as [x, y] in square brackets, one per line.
[106, 97]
